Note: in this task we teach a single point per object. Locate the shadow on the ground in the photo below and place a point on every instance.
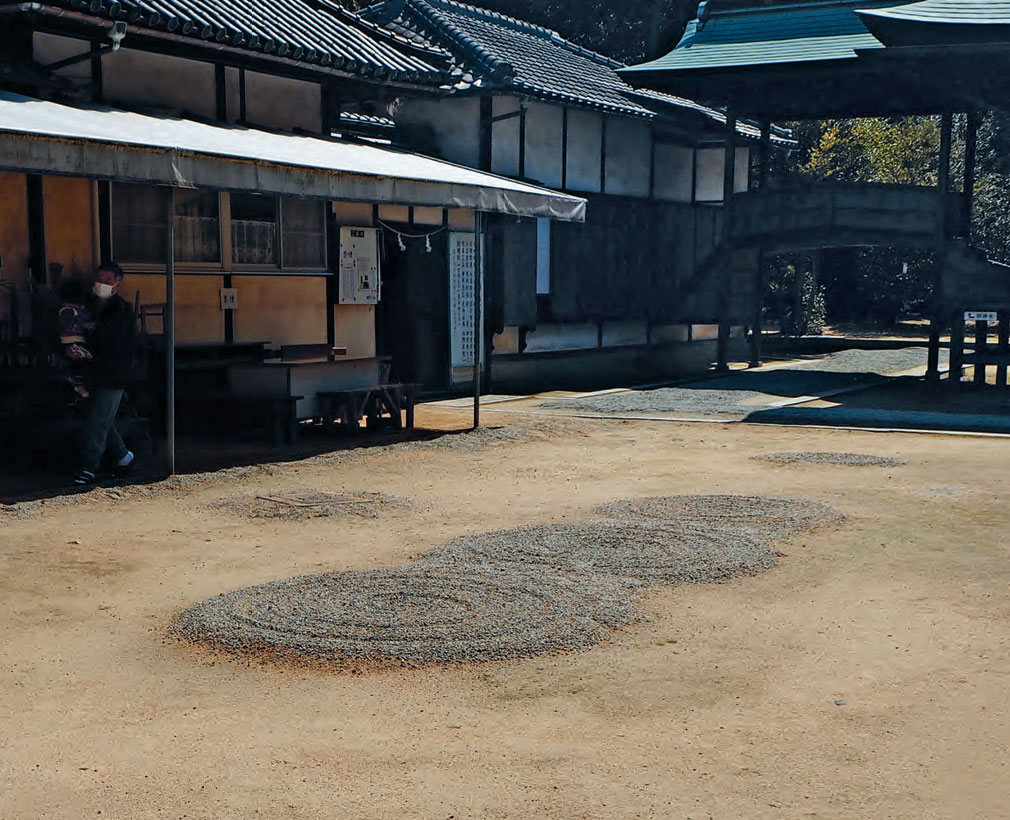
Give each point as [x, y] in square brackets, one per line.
[905, 403]
[202, 455]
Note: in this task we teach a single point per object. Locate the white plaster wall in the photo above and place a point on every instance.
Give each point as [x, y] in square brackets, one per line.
[629, 157]
[50, 48]
[668, 334]
[624, 334]
[279, 102]
[140, 78]
[585, 142]
[233, 99]
[428, 216]
[674, 172]
[544, 134]
[454, 122]
[505, 137]
[710, 175]
[741, 180]
[547, 338]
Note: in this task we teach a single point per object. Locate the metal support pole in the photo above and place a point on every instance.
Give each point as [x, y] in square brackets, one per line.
[729, 183]
[478, 314]
[169, 333]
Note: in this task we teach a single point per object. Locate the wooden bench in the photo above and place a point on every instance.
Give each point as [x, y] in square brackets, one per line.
[380, 405]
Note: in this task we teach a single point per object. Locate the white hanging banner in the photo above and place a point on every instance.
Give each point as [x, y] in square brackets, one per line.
[360, 282]
[462, 282]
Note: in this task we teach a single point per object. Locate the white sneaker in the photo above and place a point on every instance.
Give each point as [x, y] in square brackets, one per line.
[124, 464]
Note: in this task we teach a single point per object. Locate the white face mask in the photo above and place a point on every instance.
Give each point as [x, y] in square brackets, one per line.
[103, 291]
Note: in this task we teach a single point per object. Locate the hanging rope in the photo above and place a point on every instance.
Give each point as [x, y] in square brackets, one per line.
[401, 235]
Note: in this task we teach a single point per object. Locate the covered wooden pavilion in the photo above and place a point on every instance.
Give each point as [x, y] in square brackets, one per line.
[798, 59]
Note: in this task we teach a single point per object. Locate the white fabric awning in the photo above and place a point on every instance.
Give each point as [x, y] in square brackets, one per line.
[38, 136]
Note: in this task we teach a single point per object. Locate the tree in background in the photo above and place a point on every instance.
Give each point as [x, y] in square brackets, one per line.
[631, 31]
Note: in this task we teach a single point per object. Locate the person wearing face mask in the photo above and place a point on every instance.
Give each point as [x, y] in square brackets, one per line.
[111, 343]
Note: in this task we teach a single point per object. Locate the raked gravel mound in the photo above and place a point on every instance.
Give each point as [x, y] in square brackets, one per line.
[649, 553]
[509, 593]
[299, 506]
[418, 613]
[771, 518]
[831, 459]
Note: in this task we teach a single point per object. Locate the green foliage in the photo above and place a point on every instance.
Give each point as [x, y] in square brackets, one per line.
[901, 152]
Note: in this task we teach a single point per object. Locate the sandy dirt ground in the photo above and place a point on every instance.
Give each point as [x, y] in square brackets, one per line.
[867, 676]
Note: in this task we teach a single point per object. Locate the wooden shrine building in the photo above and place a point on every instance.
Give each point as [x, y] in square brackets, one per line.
[796, 60]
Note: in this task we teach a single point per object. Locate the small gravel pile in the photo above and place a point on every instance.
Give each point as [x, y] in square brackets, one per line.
[301, 506]
[648, 553]
[832, 459]
[772, 518]
[421, 613]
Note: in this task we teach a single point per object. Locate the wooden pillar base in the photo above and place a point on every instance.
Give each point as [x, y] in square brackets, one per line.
[722, 362]
[981, 346]
[933, 360]
[956, 352]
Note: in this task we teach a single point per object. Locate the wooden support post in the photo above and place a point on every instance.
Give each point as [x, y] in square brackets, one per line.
[729, 180]
[478, 314]
[970, 153]
[943, 186]
[758, 320]
[956, 351]
[169, 334]
[1004, 348]
[765, 153]
[981, 348]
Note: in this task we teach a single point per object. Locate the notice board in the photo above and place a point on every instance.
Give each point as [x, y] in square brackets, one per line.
[360, 282]
[462, 282]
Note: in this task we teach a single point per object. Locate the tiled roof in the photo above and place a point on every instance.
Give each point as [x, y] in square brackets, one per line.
[727, 37]
[970, 12]
[496, 51]
[315, 32]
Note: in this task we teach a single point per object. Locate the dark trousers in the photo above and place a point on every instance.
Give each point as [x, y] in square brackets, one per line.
[100, 433]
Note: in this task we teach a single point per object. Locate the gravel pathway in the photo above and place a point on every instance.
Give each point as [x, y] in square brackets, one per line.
[509, 593]
[832, 459]
[740, 393]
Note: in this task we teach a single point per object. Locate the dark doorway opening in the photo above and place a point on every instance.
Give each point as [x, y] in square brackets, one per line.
[412, 318]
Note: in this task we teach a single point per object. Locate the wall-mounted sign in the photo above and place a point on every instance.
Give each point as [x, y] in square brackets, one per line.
[360, 282]
[981, 316]
[229, 299]
[462, 281]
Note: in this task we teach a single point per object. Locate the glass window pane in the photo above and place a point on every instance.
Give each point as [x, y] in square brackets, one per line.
[197, 231]
[139, 223]
[304, 233]
[254, 229]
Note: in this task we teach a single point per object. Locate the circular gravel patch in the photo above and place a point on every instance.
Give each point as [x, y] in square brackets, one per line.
[647, 553]
[772, 518]
[298, 506]
[833, 459]
[422, 613]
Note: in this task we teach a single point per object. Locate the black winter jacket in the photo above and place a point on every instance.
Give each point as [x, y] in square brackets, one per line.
[112, 343]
